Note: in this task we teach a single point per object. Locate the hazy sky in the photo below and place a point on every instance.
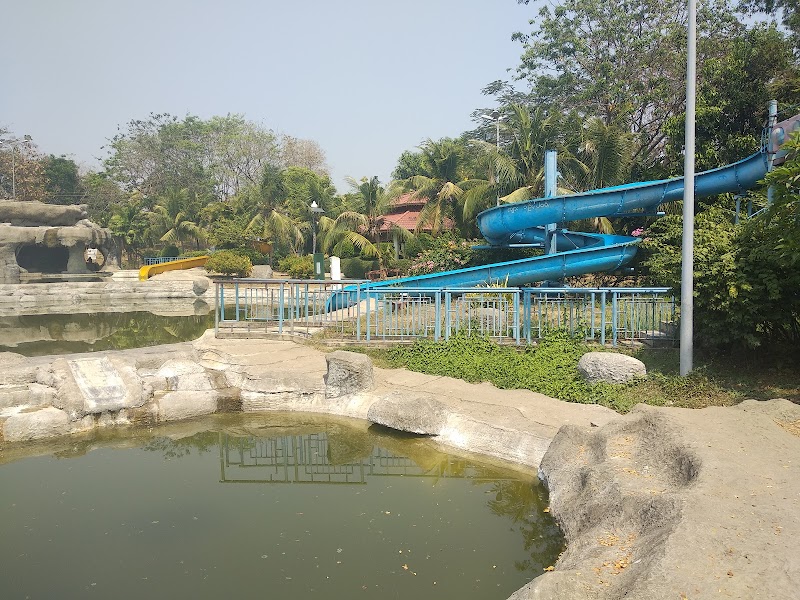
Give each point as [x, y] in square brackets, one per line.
[366, 79]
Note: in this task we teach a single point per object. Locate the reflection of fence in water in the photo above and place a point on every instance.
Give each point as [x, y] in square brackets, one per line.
[306, 459]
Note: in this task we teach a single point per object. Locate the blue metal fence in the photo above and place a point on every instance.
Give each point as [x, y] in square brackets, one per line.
[248, 307]
[158, 260]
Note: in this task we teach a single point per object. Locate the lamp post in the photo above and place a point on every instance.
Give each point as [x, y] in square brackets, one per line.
[319, 265]
[687, 245]
[315, 210]
[14, 143]
[496, 117]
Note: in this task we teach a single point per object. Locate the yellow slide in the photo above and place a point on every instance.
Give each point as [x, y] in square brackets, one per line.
[175, 265]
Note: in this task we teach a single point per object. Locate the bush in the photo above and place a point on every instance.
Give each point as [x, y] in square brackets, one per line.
[298, 267]
[356, 268]
[745, 286]
[549, 368]
[418, 244]
[446, 254]
[170, 251]
[227, 262]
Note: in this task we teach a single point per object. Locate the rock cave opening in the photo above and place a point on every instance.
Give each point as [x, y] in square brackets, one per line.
[38, 258]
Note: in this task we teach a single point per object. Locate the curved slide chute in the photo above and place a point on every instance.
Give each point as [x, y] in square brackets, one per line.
[576, 253]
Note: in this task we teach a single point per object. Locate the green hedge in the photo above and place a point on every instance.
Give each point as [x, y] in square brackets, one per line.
[355, 268]
[228, 262]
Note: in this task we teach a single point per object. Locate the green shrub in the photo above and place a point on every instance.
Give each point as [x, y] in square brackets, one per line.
[356, 268]
[446, 254]
[227, 262]
[549, 368]
[170, 251]
[298, 267]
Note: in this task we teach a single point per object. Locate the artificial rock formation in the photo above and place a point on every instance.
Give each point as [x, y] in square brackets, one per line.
[47, 238]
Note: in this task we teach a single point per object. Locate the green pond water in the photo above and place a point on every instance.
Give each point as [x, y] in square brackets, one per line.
[37, 335]
[256, 506]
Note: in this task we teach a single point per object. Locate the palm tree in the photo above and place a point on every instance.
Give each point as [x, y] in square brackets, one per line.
[129, 225]
[171, 219]
[532, 133]
[608, 152]
[271, 221]
[361, 229]
[441, 183]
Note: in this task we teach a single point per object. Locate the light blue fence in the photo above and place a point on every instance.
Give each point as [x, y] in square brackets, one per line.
[158, 260]
[249, 307]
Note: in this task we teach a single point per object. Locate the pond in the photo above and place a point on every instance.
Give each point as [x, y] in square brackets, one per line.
[281, 506]
[37, 335]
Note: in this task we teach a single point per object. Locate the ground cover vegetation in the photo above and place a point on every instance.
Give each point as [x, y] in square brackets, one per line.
[550, 368]
[602, 83]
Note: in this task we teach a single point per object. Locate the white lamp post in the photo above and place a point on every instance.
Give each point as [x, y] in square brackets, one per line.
[495, 116]
[687, 247]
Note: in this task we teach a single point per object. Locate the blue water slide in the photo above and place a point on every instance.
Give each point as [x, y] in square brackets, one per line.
[576, 252]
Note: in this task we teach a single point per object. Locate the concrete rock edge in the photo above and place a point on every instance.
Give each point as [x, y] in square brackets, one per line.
[600, 479]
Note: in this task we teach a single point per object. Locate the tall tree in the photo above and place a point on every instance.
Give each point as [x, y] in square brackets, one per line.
[787, 10]
[218, 157]
[442, 181]
[129, 225]
[63, 183]
[622, 62]
[361, 229]
[21, 169]
[171, 219]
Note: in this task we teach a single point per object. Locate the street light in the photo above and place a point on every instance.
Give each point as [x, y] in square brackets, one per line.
[687, 244]
[495, 116]
[318, 259]
[315, 210]
[15, 143]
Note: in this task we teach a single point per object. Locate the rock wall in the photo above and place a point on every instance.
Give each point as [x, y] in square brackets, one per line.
[660, 503]
[40, 228]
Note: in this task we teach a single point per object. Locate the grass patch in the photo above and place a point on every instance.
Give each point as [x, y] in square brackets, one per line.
[550, 368]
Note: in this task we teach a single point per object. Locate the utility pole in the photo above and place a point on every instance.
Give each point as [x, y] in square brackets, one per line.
[687, 247]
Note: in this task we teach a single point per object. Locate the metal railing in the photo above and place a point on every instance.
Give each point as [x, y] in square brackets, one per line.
[159, 260]
[512, 315]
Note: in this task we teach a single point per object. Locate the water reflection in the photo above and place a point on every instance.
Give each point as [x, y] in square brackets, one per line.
[36, 335]
[354, 456]
[287, 506]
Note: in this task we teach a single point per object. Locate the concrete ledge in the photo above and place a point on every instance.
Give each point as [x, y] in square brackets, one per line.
[655, 504]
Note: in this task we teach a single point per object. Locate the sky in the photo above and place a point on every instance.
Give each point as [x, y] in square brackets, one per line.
[366, 79]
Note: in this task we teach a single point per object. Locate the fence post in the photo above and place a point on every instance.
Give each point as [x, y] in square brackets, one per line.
[437, 330]
[614, 318]
[358, 312]
[376, 321]
[216, 308]
[516, 316]
[603, 318]
[447, 314]
[236, 293]
[281, 307]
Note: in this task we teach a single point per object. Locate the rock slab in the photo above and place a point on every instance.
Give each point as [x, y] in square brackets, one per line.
[411, 412]
[348, 373]
[610, 367]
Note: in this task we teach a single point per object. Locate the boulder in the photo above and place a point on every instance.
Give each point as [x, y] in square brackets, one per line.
[32, 214]
[610, 367]
[184, 375]
[175, 406]
[37, 424]
[348, 373]
[418, 413]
